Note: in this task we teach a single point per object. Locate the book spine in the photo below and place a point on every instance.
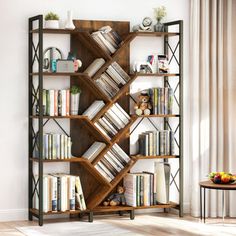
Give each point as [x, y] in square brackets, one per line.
[72, 192]
[166, 97]
[67, 102]
[63, 107]
[51, 94]
[44, 102]
[49, 146]
[47, 103]
[54, 193]
[62, 146]
[56, 102]
[170, 101]
[65, 146]
[59, 103]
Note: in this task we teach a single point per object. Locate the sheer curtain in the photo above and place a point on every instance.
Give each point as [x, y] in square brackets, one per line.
[212, 98]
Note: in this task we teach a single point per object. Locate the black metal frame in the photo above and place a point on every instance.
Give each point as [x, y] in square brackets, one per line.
[35, 97]
[179, 86]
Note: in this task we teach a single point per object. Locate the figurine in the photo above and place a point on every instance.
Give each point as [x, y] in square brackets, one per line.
[143, 107]
[117, 198]
[146, 25]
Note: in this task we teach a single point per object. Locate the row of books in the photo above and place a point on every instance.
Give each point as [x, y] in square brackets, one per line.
[56, 102]
[56, 146]
[162, 100]
[112, 80]
[146, 188]
[93, 109]
[108, 39]
[154, 143]
[61, 192]
[114, 119]
[112, 162]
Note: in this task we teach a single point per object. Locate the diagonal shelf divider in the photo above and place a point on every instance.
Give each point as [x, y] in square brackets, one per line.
[91, 127]
[95, 202]
[115, 98]
[115, 139]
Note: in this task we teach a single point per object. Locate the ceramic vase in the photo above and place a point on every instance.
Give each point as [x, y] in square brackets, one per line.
[69, 21]
[74, 104]
[159, 27]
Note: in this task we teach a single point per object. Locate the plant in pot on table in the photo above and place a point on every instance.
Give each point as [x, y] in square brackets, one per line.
[51, 21]
[160, 13]
[74, 100]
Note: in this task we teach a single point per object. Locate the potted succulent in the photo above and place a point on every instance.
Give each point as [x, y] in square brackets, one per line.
[74, 100]
[52, 21]
[160, 13]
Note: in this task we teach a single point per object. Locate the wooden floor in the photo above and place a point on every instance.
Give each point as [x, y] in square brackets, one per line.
[149, 224]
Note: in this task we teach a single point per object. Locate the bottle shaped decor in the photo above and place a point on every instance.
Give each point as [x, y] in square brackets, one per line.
[74, 100]
[160, 13]
[69, 21]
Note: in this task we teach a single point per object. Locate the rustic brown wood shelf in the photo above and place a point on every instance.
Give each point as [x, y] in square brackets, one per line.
[61, 117]
[139, 157]
[155, 34]
[58, 74]
[83, 131]
[73, 159]
[36, 212]
[154, 75]
[159, 115]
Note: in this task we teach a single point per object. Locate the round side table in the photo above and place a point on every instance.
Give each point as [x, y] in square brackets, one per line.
[209, 185]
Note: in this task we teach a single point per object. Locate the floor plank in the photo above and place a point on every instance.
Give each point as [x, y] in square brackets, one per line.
[149, 224]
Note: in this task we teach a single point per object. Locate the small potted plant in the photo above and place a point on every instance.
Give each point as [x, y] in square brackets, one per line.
[51, 21]
[74, 100]
[160, 13]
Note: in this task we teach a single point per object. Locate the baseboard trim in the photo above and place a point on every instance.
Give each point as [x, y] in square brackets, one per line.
[13, 215]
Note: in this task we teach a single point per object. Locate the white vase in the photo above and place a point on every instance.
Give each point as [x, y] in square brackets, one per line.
[52, 24]
[74, 104]
[69, 21]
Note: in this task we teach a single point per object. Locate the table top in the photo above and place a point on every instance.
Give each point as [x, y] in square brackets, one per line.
[209, 184]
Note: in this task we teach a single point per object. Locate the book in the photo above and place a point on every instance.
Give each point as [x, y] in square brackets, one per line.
[94, 150]
[101, 43]
[102, 130]
[63, 105]
[120, 70]
[93, 109]
[130, 190]
[120, 152]
[162, 171]
[93, 68]
[71, 187]
[80, 201]
[101, 40]
[51, 99]
[163, 64]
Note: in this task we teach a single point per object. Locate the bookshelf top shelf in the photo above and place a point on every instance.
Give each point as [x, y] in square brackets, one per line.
[66, 31]
[154, 74]
[154, 34]
[59, 74]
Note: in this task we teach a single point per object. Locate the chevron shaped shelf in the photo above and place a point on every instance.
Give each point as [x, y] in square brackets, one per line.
[83, 131]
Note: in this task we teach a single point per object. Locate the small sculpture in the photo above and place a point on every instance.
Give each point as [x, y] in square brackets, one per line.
[117, 198]
[143, 107]
[146, 25]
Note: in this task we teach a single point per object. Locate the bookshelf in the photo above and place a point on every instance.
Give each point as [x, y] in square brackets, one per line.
[83, 132]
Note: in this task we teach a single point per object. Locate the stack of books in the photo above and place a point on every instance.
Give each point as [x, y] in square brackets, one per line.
[61, 192]
[55, 146]
[154, 143]
[112, 80]
[114, 119]
[162, 100]
[112, 162]
[146, 188]
[108, 39]
[56, 102]
[140, 189]
[94, 108]
[94, 150]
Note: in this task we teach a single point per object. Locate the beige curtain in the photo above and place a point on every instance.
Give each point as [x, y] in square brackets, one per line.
[212, 98]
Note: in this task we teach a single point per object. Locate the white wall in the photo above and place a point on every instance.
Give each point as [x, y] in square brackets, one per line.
[14, 87]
